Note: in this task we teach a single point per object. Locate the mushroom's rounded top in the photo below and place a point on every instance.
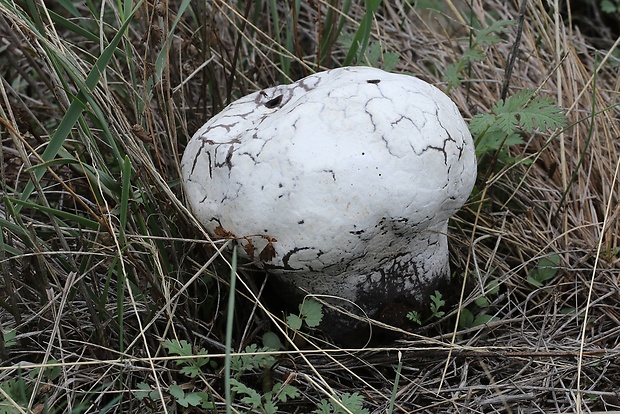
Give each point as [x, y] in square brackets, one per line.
[339, 165]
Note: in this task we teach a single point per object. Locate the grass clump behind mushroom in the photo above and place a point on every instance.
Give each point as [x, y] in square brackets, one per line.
[102, 263]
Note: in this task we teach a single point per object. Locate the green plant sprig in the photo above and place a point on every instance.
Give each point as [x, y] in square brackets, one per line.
[481, 39]
[436, 304]
[522, 112]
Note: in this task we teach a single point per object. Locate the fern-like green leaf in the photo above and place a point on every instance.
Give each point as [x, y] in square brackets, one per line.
[473, 55]
[390, 61]
[270, 407]
[523, 111]
[489, 35]
[185, 399]
[436, 304]
[354, 402]
[507, 122]
[520, 112]
[608, 6]
[144, 390]
[194, 368]
[323, 407]
[513, 103]
[414, 316]
[542, 114]
[481, 123]
[284, 392]
[183, 348]
[254, 359]
[496, 139]
[252, 397]
[180, 348]
[453, 75]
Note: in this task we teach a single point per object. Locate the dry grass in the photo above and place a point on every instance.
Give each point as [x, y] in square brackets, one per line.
[103, 262]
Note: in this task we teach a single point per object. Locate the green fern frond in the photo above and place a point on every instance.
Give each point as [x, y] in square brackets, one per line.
[489, 35]
[521, 112]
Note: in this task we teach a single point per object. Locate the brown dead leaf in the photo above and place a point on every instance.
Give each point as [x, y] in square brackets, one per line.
[249, 249]
[221, 232]
[268, 253]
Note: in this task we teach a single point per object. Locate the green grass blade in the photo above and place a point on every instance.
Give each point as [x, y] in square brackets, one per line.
[362, 36]
[19, 229]
[82, 221]
[229, 326]
[75, 28]
[77, 105]
[70, 7]
[124, 204]
[332, 30]
[396, 380]
[161, 58]
[14, 228]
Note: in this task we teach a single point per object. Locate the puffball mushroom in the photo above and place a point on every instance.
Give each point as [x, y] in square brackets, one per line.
[340, 184]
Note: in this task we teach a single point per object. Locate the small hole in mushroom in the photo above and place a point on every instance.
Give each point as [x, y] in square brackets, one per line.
[375, 81]
[272, 103]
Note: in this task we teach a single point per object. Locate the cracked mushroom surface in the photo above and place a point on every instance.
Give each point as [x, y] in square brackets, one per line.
[341, 183]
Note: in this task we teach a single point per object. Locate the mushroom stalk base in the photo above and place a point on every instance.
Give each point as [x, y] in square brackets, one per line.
[367, 286]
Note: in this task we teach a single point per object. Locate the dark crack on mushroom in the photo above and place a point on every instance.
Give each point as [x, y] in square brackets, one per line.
[272, 103]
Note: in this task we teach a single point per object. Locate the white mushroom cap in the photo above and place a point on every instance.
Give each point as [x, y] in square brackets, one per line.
[344, 181]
